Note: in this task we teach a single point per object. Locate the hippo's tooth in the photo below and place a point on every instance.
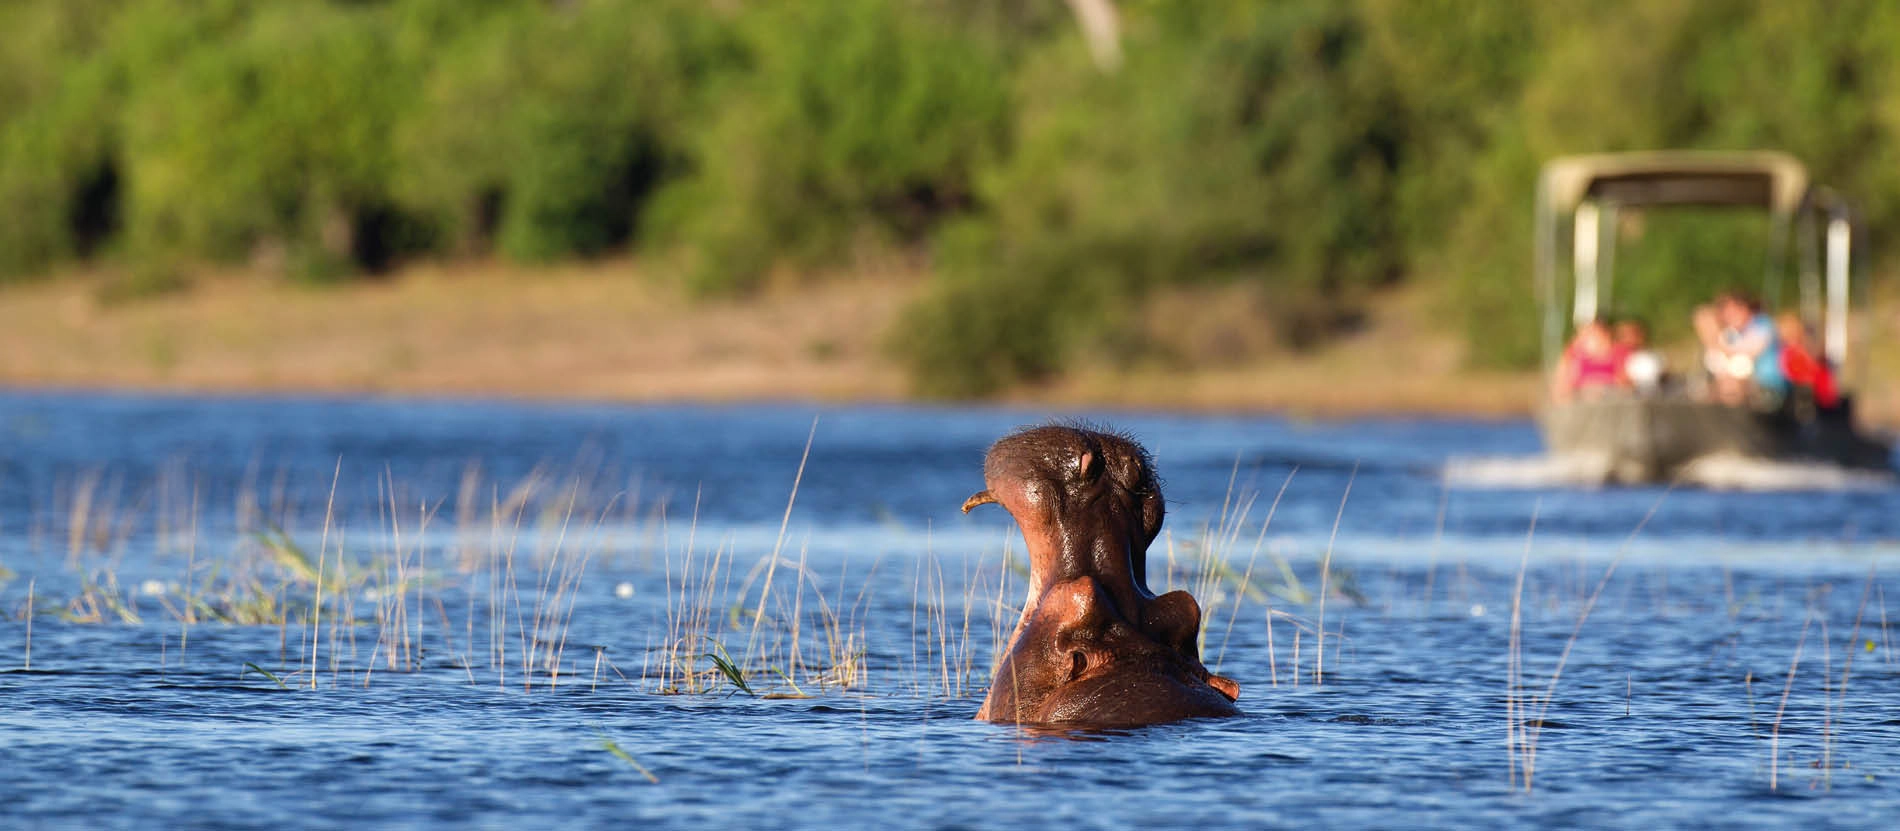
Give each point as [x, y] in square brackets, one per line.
[982, 497]
[1225, 686]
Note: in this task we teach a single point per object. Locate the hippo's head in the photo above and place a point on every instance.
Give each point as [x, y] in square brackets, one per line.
[1093, 646]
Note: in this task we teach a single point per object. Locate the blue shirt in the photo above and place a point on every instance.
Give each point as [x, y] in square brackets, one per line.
[1768, 374]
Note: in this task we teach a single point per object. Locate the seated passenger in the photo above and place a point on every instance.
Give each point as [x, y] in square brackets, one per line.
[1745, 359]
[1642, 366]
[1801, 366]
[1591, 365]
[1708, 330]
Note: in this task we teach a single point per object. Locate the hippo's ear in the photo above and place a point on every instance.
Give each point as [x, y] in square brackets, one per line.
[982, 497]
[1089, 465]
[1153, 510]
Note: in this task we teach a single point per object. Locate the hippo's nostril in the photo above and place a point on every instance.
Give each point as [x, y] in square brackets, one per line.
[1078, 663]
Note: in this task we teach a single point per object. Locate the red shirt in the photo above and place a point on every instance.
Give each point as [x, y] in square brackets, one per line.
[1803, 369]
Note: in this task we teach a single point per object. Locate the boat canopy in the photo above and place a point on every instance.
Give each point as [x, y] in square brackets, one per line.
[1762, 179]
[1582, 195]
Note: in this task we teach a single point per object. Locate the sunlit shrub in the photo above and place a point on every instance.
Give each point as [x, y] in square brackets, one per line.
[1234, 145]
[548, 133]
[58, 181]
[280, 132]
[858, 117]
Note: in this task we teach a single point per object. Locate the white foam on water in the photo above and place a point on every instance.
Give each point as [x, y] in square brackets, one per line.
[1528, 472]
[1738, 473]
[1719, 472]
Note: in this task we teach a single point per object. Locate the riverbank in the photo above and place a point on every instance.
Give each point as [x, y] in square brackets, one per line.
[601, 331]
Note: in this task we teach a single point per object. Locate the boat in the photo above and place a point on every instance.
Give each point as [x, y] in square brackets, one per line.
[1651, 437]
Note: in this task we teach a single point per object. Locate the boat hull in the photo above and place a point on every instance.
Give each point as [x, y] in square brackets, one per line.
[1649, 440]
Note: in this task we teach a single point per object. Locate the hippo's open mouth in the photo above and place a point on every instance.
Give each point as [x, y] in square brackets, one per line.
[1094, 645]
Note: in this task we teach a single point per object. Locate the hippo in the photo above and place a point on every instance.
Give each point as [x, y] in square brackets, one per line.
[1093, 647]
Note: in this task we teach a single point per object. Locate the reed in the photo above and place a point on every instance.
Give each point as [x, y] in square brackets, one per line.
[1774, 740]
[1526, 733]
[1514, 742]
[614, 748]
[1243, 585]
[31, 584]
[1325, 579]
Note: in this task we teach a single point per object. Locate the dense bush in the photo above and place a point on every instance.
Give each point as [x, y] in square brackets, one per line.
[549, 133]
[855, 117]
[1314, 150]
[57, 182]
[1245, 144]
[281, 135]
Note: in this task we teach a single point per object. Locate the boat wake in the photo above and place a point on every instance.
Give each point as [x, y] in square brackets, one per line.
[1725, 472]
[1719, 472]
[1575, 470]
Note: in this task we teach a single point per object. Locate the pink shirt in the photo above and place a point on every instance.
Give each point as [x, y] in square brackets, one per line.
[1594, 370]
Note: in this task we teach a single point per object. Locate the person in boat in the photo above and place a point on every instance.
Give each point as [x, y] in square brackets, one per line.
[1741, 350]
[1591, 365]
[1642, 366]
[1804, 369]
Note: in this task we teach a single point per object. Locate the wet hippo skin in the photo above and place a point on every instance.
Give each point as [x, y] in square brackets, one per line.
[1094, 647]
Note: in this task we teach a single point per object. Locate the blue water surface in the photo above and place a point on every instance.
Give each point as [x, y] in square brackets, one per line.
[521, 630]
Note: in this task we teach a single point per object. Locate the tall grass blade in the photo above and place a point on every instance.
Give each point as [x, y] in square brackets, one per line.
[613, 747]
[248, 666]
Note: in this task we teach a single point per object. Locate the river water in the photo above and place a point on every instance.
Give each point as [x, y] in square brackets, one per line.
[319, 612]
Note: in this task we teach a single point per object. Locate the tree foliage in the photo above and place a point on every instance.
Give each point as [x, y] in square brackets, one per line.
[1315, 149]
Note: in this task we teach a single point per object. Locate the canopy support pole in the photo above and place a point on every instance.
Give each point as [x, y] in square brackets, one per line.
[1584, 260]
[1839, 249]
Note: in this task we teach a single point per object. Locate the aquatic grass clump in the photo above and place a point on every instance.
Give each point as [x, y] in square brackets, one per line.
[271, 576]
[496, 595]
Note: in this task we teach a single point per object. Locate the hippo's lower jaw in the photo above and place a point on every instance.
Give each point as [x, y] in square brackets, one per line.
[1078, 661]
[1094, 647]
[1146, 684]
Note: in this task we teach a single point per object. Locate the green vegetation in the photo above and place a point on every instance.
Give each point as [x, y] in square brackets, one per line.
[1317, 150]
